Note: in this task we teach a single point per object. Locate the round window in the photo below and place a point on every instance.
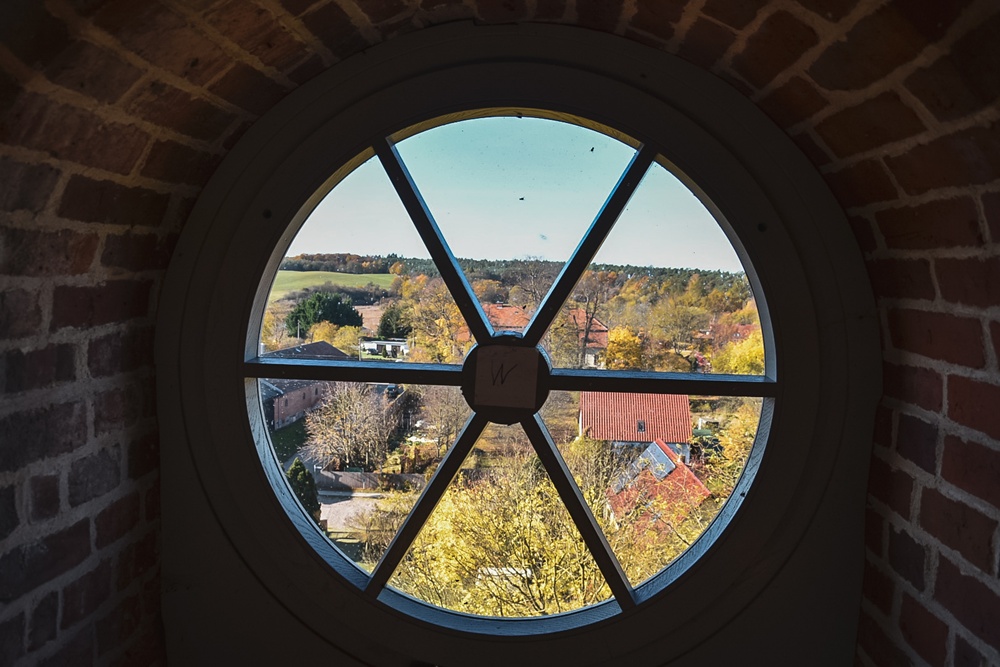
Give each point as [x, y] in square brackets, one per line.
[520, 359]
[523, 343]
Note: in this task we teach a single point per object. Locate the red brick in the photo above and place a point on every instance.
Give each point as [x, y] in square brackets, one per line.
[925, 632]
[922, 387]
[147, 649]
[658, 17]
[873, 123]
[120, 352]
[296, 7]
[143, 455]
[877, 645]
[306, 71]
[380, 11]
[901, 278]
[966, 655]
[779, 41]
[963, 81]
[41, 433]
[157, 34]
[501, 11]
[795, 101]
[37, 369]
[880, 43]
[995, 335]
[176, 163]
[967, 157]
[599, 14]
[42, 627]
[29, 252]
[863, 233]
[82, 597]
[73, 134]
[907, 557]
[76, 651]
[735, 13]
[12, 639]
[958, 340]
[863, 183]
[959, 526]
[115, 628]
[138, 252]
[705, 42]
[9, 520]
[811, 148]
[119, 408]
[974, 404]
[832, 10]
[29, 566]
[944, 223]
[878, 588]
[165, 105]
[916, 440]
[258, 32]
[26, 186]
[991, 207]
[89, 200]
[113, 301]
[973, 604]
[38, 36]
[974, 282]
[92, 71]
[94, 475]
[116, 520]
[892, 487]
[332, 26]
[249, 89]
[20, 314]
[972, 468]
[44, 497]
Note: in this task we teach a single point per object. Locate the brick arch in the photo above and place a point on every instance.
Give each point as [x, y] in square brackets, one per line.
[116, 112]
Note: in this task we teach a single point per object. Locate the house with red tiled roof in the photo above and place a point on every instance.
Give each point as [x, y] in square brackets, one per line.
[635, 418]
[658, 485]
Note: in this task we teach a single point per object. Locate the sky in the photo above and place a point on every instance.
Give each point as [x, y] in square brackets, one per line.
[513, 188]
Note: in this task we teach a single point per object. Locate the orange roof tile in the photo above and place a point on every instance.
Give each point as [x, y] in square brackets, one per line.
[617, 416]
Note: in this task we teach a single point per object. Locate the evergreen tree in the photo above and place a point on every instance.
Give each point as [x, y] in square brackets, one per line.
[304, 486]
[393, 323]
[321, 307]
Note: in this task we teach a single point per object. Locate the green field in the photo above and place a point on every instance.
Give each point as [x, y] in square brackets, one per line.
[292, 281]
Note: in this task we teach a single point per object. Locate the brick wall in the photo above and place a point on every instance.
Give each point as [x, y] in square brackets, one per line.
[114, 113]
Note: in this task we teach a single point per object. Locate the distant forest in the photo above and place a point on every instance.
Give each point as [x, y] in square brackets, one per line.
[501, 270]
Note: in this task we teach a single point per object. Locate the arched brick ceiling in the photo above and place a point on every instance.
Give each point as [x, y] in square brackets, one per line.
[114, 113]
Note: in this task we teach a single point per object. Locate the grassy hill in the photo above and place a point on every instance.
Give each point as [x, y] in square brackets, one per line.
[291, 281]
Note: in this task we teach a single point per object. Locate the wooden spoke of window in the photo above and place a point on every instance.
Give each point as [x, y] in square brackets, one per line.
[653, 382]
[430, 233]
[589, 245]
[579, 511]
[390, 372]
[426, 503]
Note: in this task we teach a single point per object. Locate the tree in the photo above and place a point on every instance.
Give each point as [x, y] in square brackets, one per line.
[352, 426]
[304, 487]
[624, 350]
[445, 410]
[322, 307]
[394, 322]
[744, 357]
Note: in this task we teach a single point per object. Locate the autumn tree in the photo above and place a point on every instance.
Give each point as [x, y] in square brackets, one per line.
[352, 426]
[744, 357]
[445, 410]
[625, 350]
[304, 487]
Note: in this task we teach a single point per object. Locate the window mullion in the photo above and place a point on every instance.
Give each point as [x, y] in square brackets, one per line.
[652, 382]
[579, 511]
[589, 245]
[428, 500]
[430, 233]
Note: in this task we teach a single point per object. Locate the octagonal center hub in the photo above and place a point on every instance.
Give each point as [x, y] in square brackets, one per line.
[506, 383]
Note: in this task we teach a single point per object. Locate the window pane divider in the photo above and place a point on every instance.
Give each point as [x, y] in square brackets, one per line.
[390, 372]
[430, 233]
[425, 504]
[652, 382]
[579, 511]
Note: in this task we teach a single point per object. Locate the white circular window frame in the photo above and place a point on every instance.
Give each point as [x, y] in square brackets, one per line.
[820, 331]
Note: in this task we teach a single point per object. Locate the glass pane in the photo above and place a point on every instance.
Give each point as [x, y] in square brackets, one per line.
[500, 542]
[655, 468]
[666, 292]
[513, 197]
[353, 281]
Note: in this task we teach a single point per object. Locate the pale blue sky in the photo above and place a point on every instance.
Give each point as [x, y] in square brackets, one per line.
[508, 188]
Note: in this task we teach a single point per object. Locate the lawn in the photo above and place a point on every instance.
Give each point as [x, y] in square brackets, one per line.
[287, 440]
[292, 281]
